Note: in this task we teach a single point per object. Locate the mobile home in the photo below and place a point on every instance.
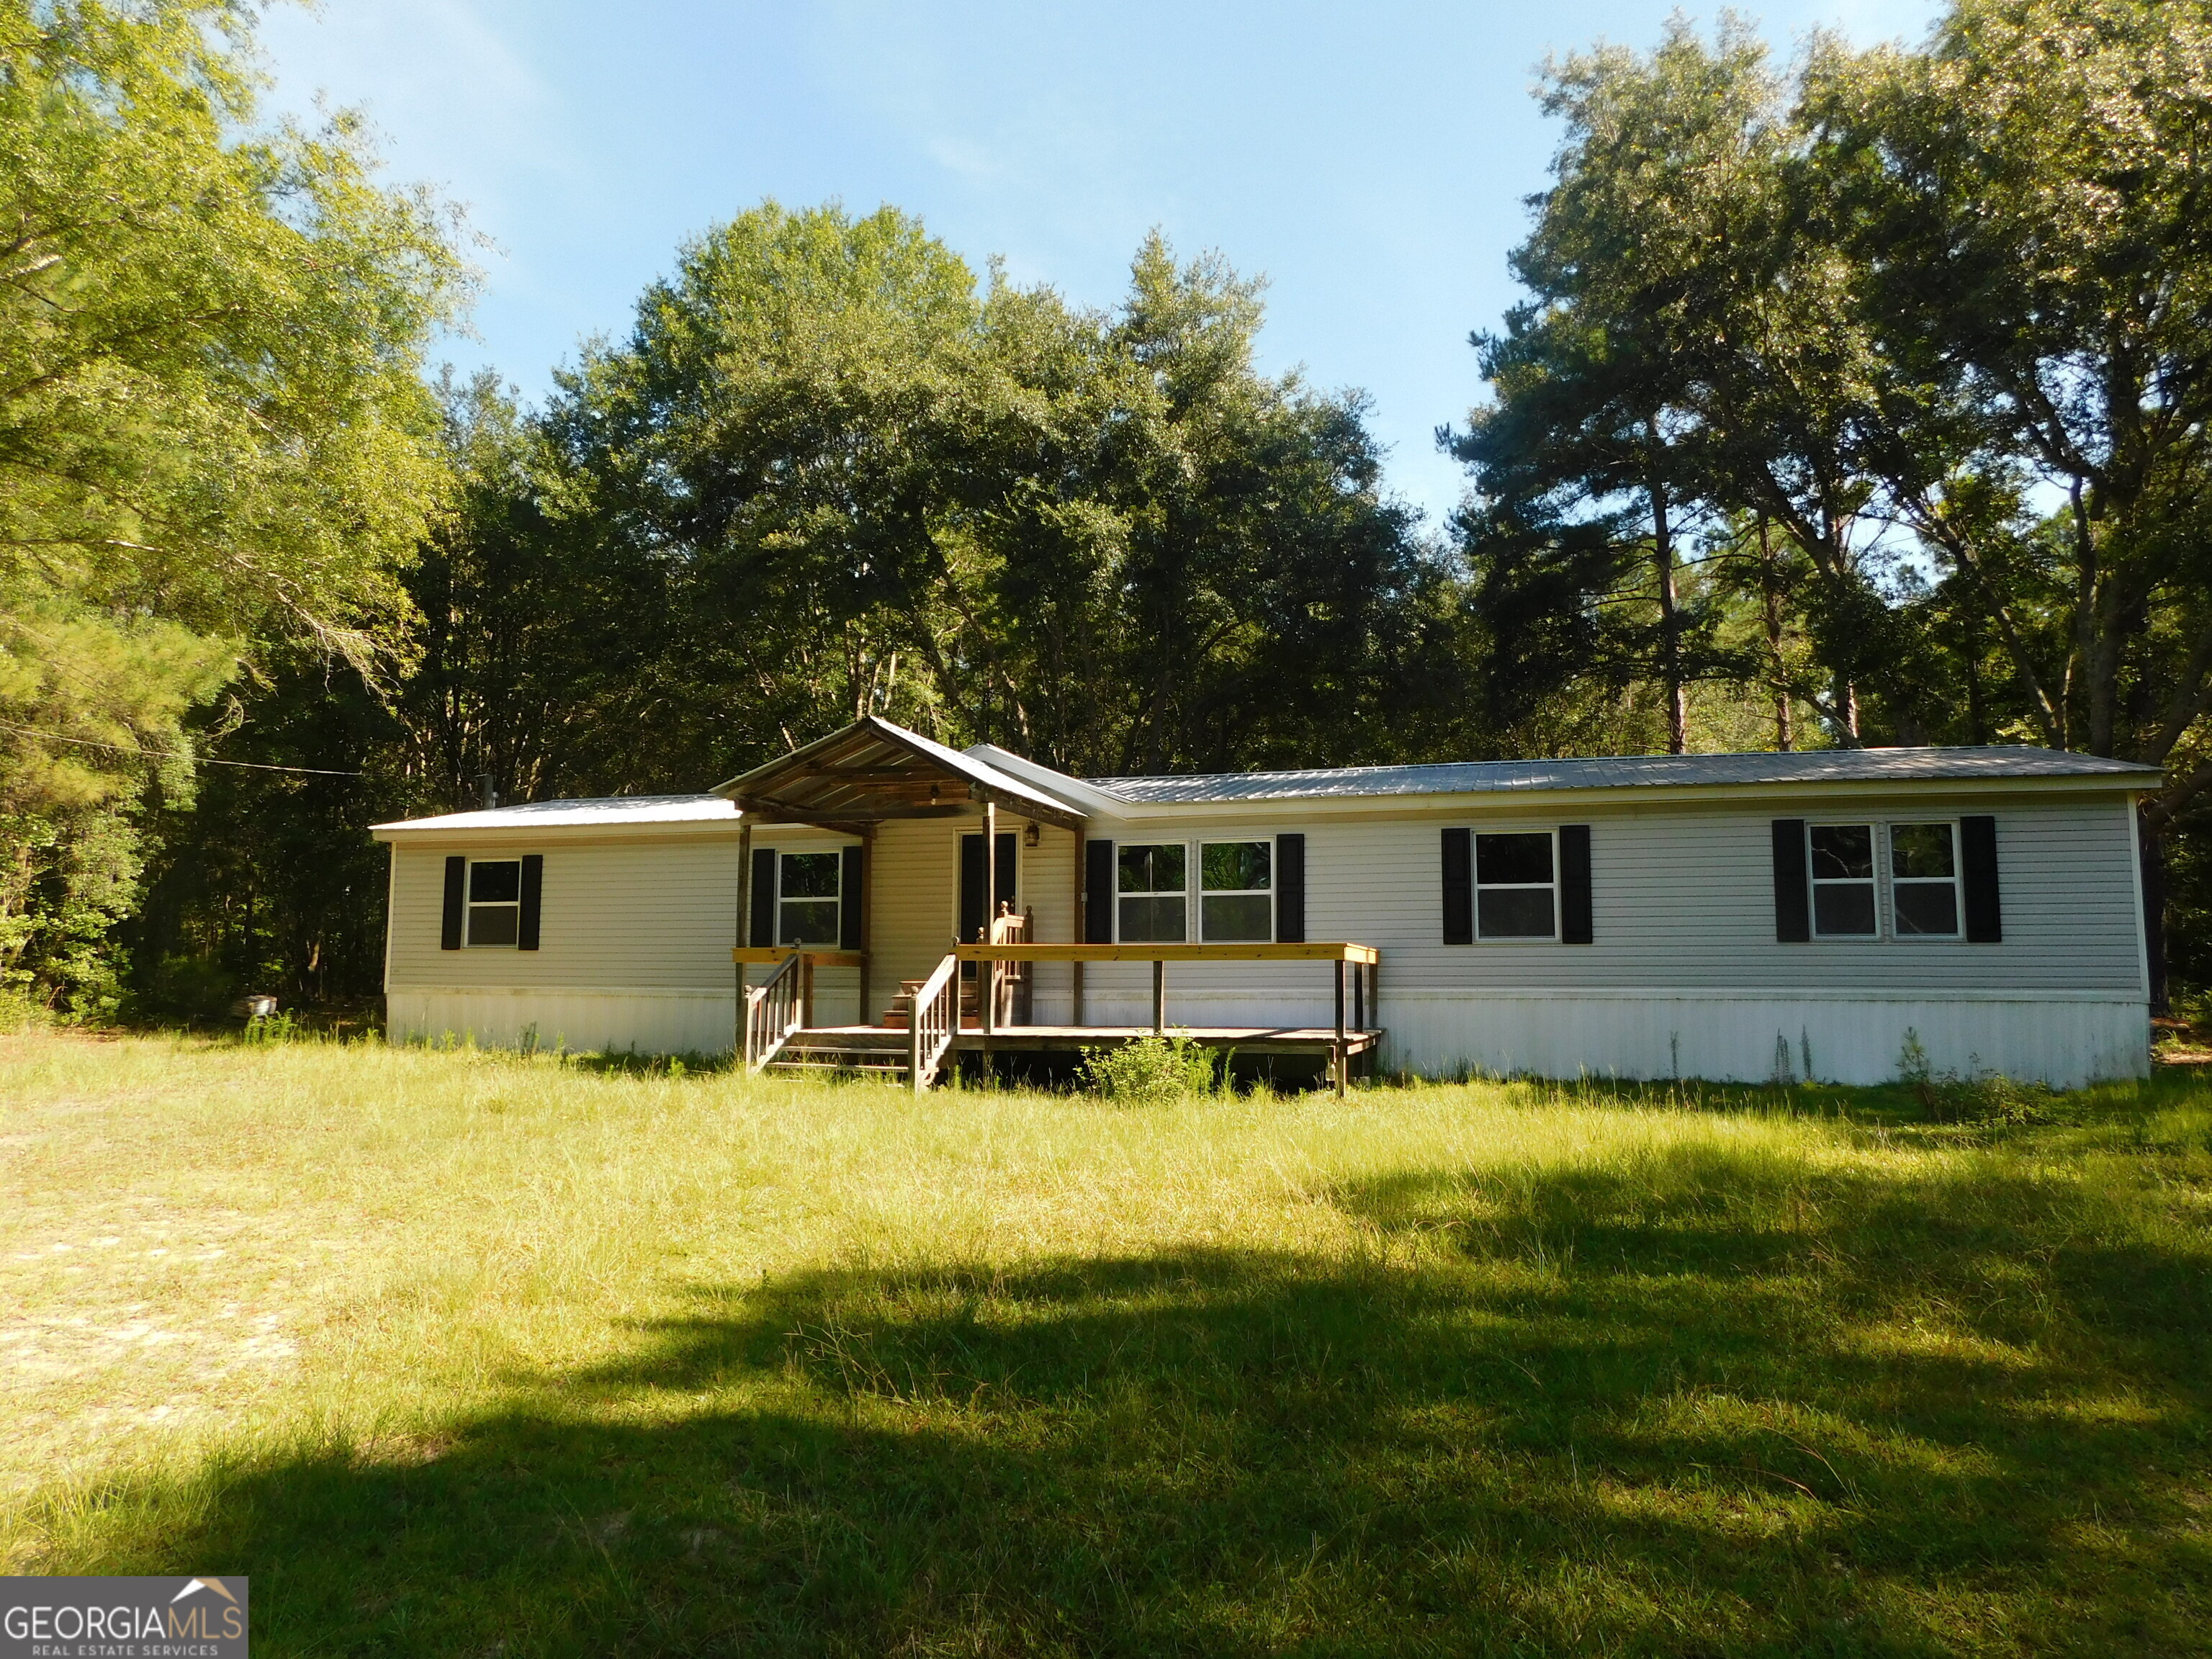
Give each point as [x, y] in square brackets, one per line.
[878, 900]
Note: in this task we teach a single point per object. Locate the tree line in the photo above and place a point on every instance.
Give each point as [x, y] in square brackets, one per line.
[1852, 400]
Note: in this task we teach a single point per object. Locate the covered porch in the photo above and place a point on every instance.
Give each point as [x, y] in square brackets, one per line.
[978, 996]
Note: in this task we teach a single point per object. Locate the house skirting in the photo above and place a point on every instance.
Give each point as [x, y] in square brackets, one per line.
[654, 1022]
[2064, 1038]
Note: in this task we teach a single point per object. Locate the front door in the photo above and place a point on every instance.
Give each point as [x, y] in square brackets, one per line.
[974, 873]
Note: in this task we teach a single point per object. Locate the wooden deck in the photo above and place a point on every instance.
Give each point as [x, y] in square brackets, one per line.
[1016, 1039]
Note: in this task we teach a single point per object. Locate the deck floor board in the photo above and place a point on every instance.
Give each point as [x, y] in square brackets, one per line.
[1256, 1039]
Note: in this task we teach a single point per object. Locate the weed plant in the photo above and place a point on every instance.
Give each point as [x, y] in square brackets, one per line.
[458, 1352]
[1150, 1070]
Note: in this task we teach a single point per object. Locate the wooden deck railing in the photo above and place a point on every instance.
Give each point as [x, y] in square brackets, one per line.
[1365, 961]
[774, 1010]
[934, 1017]
[1012, 981]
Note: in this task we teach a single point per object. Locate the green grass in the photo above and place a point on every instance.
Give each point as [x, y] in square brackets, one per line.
[457, 1353]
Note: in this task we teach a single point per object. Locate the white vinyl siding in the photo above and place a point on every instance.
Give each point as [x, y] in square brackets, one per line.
[1682, 898]
[1682, 905]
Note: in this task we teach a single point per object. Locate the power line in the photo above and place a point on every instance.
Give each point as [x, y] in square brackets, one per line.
[169, 754]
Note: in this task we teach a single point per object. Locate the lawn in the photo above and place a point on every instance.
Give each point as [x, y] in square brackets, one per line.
[459, 1353]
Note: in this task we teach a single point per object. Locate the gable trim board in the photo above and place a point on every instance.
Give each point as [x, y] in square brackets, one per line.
[1671, 917]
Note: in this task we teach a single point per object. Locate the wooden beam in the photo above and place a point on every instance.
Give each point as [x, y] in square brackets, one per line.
[1339, 952]
[745, 925]
[867, 916]
[989, 970]
[1342, 1061]
[758, 956]
[1075, 968]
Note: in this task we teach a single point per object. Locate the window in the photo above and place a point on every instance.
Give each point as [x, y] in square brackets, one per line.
[495, 901]
[809, 888]
[1236, 900]
[1843, 880]
[1923, 880]
[1153, 888]
[1514, 895]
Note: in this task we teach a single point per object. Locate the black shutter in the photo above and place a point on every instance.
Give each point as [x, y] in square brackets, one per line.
[1793, 916]
[1097, 892]
[1459, 887]
[762, 927]
[1984, 918]
[1575, 922]
[449, 926]
[1290, 889]
[533, 894]
[848, 911]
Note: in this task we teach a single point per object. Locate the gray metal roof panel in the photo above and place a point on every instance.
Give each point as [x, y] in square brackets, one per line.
[603, 810]
[1923, 765]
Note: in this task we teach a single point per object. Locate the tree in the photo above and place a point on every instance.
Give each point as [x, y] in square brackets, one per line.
[213, 432]
[1590, 471]
[1936, 319]
[863, 481]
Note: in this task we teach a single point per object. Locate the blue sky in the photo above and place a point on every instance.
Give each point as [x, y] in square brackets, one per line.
[1371, 161]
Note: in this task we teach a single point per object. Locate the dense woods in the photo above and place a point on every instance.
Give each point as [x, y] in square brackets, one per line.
[1859, 399]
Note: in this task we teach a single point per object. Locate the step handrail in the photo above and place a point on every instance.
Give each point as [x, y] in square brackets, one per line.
[934, 1018]
[772, 1013]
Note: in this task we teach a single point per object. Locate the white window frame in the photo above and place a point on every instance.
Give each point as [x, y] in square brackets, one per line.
[1476, 886]
[783, 853]
[1189, 876]
[1197, 868]
[470, 906]
[1956, 881]
[1877, 856]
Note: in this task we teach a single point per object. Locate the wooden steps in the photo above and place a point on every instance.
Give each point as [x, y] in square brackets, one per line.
[877, 1052]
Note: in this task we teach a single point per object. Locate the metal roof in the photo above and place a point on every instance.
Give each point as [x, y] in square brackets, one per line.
[605, 809]
[1927, 765]
[872, 770]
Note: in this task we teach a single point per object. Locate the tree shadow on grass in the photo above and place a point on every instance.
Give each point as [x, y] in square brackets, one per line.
[1705, 1405]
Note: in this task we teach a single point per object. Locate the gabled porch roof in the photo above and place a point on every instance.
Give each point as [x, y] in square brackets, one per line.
[873, 771]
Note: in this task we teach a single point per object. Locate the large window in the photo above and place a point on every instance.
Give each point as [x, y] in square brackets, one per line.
[1152, 892]
[1923, 880]
[495, 901]
[1516, 896]
[1843, 880]
[809, 889]
[1236, 900]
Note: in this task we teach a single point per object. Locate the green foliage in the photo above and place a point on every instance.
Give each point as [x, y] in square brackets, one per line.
[1977, 1096]
[1104, 539]
[1152, 1070]
[213, 436]
[1893, 288]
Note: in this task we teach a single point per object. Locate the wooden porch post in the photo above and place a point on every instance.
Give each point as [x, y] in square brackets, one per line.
[1081, 931]
[744, 920]
[987, 981]
[868, 911]
[1339, 1050]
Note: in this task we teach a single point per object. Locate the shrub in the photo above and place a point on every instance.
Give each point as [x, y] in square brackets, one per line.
[1150, 1069]
[1979, 1096]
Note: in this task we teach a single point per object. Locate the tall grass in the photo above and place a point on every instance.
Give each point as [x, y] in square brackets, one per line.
[460, 1352]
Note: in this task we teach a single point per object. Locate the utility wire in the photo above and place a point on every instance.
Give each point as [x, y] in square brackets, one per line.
[167, 754]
